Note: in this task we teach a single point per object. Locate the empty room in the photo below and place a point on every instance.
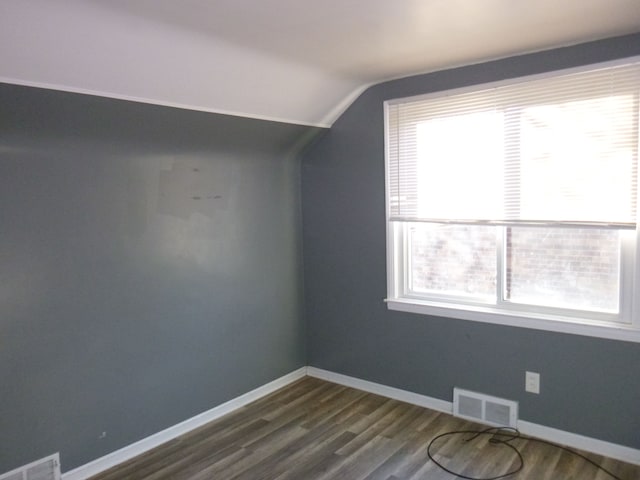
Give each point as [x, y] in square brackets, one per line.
[343, 239]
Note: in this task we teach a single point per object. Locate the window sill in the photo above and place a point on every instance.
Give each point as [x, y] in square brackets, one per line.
[604, 330]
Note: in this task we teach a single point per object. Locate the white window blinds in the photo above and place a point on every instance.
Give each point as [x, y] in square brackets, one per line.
[560, 151]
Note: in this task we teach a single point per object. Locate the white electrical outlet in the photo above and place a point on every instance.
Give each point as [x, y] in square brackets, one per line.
[532, 382]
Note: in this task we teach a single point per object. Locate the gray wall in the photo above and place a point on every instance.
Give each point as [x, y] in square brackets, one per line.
[589, 386]
[149, 268]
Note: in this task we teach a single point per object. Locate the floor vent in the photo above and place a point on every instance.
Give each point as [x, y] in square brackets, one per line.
[484, 408]
[47, 468]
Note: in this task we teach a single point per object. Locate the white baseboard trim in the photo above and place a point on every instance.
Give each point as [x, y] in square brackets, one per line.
[600, 447]
[383, 390]
[111, 460]
[573, 440]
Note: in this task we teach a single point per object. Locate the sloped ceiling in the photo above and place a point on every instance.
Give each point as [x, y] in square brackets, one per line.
[297, 61]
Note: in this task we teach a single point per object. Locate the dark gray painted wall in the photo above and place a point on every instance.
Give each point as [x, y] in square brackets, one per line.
[589, 386]
[149, 268]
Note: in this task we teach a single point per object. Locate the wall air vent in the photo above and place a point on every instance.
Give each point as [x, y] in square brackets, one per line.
[47, 468]
[482, 408]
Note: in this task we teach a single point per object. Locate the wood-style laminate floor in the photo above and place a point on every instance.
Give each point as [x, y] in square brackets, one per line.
[316, 430]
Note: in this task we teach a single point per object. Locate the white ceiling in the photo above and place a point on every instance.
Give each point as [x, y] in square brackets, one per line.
[299, 61]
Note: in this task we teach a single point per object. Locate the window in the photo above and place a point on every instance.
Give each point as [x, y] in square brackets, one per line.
[516, 203]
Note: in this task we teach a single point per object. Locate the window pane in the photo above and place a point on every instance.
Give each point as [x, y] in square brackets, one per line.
[563, 267]
[458, 150]
[455, 260]
[577, 160]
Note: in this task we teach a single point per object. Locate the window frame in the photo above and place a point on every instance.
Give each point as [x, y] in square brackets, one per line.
[533, 317]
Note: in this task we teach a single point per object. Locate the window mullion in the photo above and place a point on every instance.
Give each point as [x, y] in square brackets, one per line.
[501, 265]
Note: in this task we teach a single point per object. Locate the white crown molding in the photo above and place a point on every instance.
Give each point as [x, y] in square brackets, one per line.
[167, 103]
[91, 48]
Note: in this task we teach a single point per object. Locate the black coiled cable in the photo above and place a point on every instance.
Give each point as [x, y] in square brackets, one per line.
[504, 436]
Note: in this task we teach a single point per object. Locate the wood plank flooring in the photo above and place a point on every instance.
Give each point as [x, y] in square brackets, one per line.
[316, 430]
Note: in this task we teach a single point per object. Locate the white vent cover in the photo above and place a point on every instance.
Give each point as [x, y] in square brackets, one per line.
[47, 468]
[484, 408]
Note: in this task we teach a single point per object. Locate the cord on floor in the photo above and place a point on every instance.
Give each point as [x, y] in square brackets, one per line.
[504, 436]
